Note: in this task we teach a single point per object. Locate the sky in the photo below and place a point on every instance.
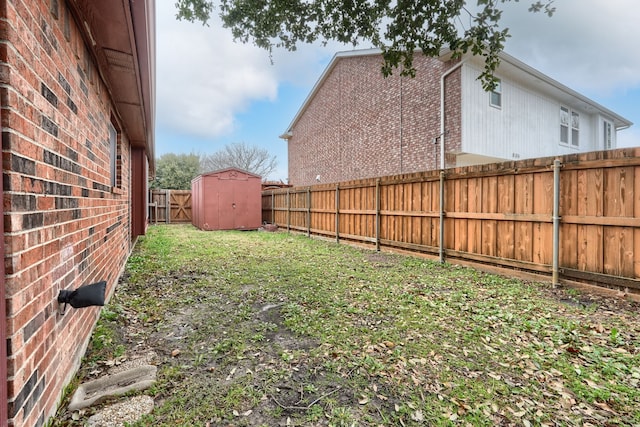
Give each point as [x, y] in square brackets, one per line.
[212, 91]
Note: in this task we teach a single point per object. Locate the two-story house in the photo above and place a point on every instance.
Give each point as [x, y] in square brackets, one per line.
[357, 124]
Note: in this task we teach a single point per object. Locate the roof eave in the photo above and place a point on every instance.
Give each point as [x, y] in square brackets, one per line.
[121, 37]
[446, 55]
[619, 121]
[321, 80]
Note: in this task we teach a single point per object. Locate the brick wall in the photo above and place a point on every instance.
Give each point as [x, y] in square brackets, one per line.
[361, 125]
[65, 226]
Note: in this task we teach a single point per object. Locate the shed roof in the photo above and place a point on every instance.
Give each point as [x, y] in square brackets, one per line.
[229, 170]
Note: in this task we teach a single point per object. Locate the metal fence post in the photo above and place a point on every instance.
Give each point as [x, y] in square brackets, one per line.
[308, 211]
[288, 210]
[337, 213]
[556, 221]
[378, 215]
[441, 242]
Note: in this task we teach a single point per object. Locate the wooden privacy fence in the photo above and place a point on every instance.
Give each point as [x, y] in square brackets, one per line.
[573, 217]
[170, 206]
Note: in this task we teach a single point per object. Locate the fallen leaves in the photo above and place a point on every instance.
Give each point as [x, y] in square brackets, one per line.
[417, 416]
[243, 414]
[592, 384]
[403, 344]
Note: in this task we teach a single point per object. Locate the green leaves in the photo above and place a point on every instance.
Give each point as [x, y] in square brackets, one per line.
[194, 10]
[399, 28]
[175, 171]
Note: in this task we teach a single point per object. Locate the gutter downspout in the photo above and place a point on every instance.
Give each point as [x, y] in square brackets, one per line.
[442, 129]
[442, 151]
[401, 123]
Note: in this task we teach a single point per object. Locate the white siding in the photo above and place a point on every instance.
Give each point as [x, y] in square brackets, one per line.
[527, 125]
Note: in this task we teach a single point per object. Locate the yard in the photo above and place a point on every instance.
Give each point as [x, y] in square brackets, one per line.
[273, 329]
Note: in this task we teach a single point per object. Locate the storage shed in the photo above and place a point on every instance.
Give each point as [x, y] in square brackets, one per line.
[227, 199]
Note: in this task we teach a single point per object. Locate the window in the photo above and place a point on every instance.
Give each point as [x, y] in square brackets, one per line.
[564, 125]
[115, 162]
[569, 127]
[607, 136]
[113, 143]
[495, 97]
[575, 129]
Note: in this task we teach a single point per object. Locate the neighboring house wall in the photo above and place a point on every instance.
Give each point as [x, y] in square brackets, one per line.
[356, 124]
[514, 130]
[67, 212]
[526, 125]
[360, 124]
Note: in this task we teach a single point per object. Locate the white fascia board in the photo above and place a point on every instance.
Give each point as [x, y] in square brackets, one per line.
[619, 121]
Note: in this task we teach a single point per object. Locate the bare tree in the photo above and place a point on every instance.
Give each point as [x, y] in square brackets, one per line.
[242, 156]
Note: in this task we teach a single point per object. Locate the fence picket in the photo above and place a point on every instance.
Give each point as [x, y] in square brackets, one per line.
[498, 214]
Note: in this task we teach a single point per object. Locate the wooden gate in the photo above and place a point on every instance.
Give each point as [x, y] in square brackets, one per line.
[180, 201]
[170, 206]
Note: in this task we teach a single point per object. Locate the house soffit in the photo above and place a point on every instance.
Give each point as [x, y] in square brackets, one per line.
[124, 61]
[536, 81]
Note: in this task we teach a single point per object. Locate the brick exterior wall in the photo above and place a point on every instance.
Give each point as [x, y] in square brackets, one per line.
[362, 125]
[65, 226]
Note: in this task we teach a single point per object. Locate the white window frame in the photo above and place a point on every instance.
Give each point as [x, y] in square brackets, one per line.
[569, 127]
[113, 150]
[607, 134]
[495, 96]
[575, 129]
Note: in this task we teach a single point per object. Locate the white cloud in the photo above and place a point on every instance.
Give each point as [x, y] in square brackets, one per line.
[204, 78]
[589, 45]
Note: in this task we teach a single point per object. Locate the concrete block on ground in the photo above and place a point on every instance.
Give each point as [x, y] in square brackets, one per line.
[97, 391]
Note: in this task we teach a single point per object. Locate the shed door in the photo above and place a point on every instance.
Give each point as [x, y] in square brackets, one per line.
[227, 205]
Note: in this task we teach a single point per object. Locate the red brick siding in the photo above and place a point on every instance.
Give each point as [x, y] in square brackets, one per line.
[64, 225]
[361, 125]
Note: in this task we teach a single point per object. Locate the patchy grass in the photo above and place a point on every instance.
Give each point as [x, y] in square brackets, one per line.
[265, 329]
[106, 342]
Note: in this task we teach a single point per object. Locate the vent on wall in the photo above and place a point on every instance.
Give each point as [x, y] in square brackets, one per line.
[119, 59]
